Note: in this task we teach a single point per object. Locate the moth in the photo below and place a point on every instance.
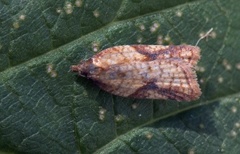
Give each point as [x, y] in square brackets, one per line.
[145, 71]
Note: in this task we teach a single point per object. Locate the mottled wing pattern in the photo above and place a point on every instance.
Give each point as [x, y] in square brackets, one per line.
[158, 79]
[117, 55]
[188, 53]
[145, 71]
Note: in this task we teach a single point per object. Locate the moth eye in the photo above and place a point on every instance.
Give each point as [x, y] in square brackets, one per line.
[94, 70]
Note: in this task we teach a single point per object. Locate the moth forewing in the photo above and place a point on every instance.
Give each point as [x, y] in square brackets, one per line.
[145, 71]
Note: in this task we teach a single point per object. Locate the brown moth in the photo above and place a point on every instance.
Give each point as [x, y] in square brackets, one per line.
[145, 71]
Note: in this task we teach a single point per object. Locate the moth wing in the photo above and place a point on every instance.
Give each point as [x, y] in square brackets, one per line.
[122, 88]
[117, 55]
[187, 53]
[158, 79]
[177, 81]
[129, 53]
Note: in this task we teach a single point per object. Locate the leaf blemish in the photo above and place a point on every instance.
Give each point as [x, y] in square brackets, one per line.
[200, 69]
[149, 135]
[16, 25]
[68, 7]
[237, 125]
[49, 68]
[238, 66]
[134, 106]
[22, 17]
[95, 46]
[96, 13]
[191, 151]
[201, 126]
[201, 80]
[220, 79]
[142, 27]
[59, 10]
[119, 118]
[140, 39]
[102, 113]
[78, 3]
[227, 65]
[233, 134]
[179, 13]
[51, 71]
[160, 39]
[154, 27]
[234, 109]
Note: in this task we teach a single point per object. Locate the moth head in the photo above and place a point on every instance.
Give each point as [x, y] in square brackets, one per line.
[86, 69]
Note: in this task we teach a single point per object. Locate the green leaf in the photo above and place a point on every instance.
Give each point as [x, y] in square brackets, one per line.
[44, 108]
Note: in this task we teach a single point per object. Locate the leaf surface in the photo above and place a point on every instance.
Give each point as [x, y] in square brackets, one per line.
[47, 109]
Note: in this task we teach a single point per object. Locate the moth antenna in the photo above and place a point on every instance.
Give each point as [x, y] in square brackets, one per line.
[204, 36]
